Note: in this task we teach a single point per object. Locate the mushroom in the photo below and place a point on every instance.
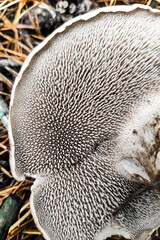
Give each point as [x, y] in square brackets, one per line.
[84, 121]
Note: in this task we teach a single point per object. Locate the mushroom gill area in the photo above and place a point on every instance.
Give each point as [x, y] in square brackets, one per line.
[69, 108]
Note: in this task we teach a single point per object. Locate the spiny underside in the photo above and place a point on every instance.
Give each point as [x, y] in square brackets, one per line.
[92, 75]
[70, 106]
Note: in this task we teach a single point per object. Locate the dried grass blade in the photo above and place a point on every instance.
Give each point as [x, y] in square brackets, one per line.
[9, 4]
[16, 224]
[32, 231]
[18, 230]
[5, 94]
[6, 172]
[5, 80]
[3, 3]
[25, 11]
[18, 12]
[26, 205]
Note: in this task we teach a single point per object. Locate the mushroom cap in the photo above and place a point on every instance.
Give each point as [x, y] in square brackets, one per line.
[91, 86]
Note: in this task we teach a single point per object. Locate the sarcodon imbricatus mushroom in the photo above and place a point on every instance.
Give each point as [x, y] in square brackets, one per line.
[85, 122]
